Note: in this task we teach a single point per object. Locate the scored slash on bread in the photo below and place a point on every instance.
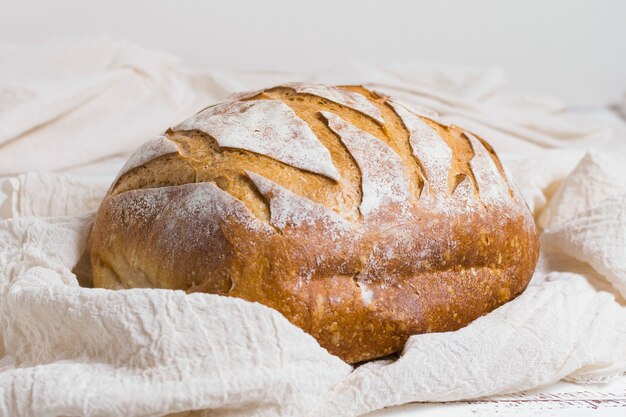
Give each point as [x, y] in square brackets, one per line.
[360, 220]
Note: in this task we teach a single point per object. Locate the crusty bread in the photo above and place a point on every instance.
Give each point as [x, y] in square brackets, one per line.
[361, 220]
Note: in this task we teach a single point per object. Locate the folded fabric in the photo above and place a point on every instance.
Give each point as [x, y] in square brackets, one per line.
[67, 103]
[597, 176]
[50, 195]
[597, 236]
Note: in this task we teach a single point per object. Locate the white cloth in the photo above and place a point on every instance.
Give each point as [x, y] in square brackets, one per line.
[70, 350]
[65, 104]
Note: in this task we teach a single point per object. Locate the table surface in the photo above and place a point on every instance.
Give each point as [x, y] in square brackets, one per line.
[561, 399]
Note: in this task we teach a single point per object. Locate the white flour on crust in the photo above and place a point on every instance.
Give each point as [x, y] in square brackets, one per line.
[288, 209]
[266, 127]
[201, 207]
[347, 98]
[463, 196]
[383, 178]
[418, 110]
[430, 149]
[492, 187]
[150, 150]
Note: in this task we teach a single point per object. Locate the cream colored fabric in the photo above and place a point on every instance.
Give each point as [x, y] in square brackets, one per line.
[70, 350]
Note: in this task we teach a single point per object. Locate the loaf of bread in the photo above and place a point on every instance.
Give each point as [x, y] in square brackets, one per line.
[362, 220]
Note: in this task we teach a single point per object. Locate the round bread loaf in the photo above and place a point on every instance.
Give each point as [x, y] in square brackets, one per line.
[361, 220]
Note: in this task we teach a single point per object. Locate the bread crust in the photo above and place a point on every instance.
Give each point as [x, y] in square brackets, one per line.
[404, 226]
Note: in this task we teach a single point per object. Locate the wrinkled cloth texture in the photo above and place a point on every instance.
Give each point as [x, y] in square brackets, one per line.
[70, 113]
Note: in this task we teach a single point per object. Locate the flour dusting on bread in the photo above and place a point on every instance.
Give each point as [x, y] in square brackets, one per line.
[430, 149]
[289, 210]
[183, 206]
[383, 178]
[341, 96]
[266, 127]
[492, 186]
[150, 150]
[418, 110]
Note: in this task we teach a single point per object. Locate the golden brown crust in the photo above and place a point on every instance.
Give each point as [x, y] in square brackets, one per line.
[358, 266]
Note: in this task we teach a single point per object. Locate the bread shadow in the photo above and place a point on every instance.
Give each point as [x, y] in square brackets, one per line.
[83, 271]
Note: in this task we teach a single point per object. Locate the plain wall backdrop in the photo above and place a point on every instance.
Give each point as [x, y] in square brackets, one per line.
[573, 49]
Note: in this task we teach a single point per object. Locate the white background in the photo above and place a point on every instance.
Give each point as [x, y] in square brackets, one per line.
[573, 49]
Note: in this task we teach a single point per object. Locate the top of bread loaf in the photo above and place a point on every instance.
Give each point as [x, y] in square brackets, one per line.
[359, 218]
[379, 152]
